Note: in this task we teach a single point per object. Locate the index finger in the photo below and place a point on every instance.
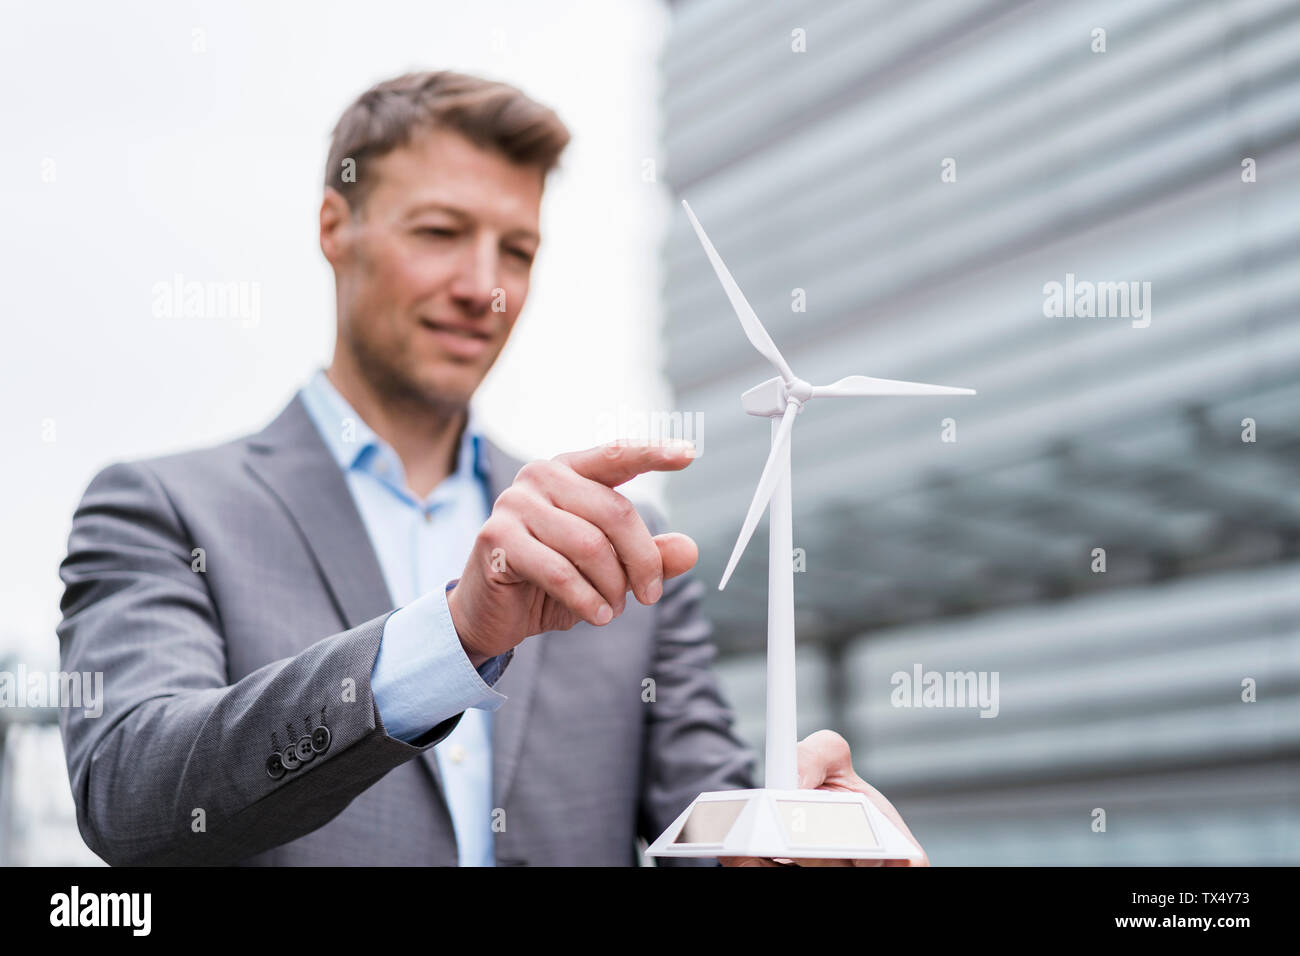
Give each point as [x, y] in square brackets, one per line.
[615, 462]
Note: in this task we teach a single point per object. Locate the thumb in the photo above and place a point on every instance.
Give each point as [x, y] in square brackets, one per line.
[678, 553]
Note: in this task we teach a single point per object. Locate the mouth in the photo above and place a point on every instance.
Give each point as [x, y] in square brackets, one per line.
[458, 340]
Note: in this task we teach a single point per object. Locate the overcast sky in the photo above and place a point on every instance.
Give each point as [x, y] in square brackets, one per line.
[158, 139]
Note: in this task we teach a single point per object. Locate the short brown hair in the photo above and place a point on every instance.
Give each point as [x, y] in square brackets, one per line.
[489, 114]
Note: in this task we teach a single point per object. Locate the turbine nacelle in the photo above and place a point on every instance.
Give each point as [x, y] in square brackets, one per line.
[769, 399]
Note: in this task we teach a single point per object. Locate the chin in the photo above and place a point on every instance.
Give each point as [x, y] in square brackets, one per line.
[448, 382]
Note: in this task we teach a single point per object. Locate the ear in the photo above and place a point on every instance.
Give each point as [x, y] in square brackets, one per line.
[335, 218]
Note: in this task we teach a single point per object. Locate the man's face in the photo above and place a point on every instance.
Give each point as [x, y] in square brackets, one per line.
[433, 270]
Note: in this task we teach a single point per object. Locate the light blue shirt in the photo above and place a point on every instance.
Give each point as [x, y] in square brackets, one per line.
[422, 675]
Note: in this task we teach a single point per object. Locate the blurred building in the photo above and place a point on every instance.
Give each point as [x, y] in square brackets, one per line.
[914, 176]
[38, 820]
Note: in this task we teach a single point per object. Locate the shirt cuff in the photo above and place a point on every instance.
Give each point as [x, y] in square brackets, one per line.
[422, 674]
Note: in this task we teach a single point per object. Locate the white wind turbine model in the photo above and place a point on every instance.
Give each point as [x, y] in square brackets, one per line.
[780, 820]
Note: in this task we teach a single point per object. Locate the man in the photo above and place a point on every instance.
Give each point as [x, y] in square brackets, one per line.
[341, 640]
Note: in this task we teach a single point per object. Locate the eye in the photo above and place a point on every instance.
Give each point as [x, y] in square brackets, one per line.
[522, 254]
[439, 231]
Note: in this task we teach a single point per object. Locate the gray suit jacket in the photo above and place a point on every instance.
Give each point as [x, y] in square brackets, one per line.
[208, 672]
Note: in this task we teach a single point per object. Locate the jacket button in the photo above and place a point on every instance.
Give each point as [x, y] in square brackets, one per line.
[275, 766]
[320, 739]
[303, 749]
[290, 757]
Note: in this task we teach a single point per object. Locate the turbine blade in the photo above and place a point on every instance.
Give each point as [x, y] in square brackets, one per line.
[860, 385]
[766, 486]
[754, 330]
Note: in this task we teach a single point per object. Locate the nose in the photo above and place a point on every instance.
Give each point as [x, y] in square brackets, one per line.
[476, 274]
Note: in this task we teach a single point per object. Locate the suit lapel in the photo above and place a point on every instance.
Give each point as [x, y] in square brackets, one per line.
[520, 679]
[291, 459]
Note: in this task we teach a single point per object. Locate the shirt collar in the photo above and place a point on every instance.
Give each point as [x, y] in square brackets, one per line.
[355, 446]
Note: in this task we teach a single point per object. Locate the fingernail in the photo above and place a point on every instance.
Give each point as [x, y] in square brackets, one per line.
[605, 614]
[656, 589]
